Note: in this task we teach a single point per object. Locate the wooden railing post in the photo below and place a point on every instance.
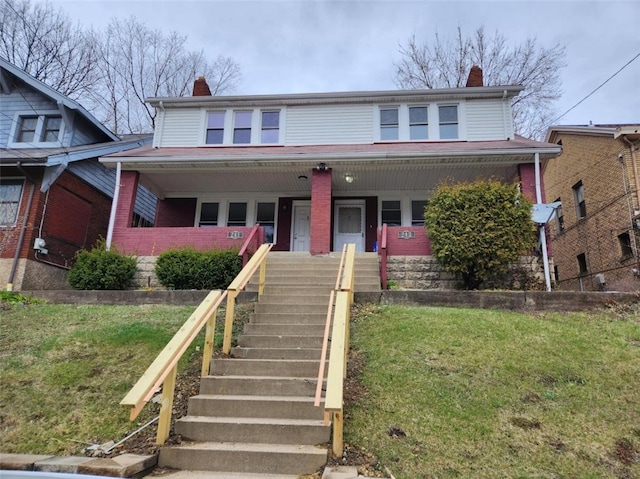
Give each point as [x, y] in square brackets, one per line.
[164, 421]
[338, 428]
[207, 350]
[228, 322]
[383, 256]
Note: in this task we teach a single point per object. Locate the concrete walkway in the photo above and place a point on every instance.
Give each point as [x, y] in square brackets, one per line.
[125, 465]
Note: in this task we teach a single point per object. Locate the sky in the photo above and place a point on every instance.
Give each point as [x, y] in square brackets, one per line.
[306, 46]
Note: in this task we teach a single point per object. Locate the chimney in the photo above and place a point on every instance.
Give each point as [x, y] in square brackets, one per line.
[475, 76]
[200, 87]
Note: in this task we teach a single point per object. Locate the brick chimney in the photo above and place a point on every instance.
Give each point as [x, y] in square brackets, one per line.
[200, 87]
[475, 76]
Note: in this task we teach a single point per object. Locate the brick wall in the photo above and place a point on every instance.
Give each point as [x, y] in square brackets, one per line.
[320, 212]
[610, 199]
[176, 212]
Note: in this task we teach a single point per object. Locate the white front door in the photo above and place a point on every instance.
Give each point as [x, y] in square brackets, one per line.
[301, 230]
[349, 224]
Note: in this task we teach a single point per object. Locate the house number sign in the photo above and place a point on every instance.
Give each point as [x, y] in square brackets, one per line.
[406, 234]
[235, 234]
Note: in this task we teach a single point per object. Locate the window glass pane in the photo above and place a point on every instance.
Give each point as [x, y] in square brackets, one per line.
[209, 214]
[389, 133]
[448, 132]
[214, 137]
[27, 129]
[10, 192]
[266, 217]
[215, 119]
[418, 114]
[242, 135]
[389, 117]
[237, 214]
[391, 213]
[51, 130]
[625, 244]
[270, 119]
[448, 114]
[349, 220]
[419, 132]
[215, 128]
[243, 119]
[417, 212]
[270, 136]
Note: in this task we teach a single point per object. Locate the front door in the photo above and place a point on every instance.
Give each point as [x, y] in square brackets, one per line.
[301, 230]
[349, 224]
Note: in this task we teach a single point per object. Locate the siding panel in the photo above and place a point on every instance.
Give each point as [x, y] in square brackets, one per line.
[181, 127]
[329, 124]
[486, 121]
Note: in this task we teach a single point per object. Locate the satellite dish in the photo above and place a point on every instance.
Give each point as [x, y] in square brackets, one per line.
[542, 213]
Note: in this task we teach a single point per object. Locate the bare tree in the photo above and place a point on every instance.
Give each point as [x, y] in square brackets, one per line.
[137, 63]
[41, 40]
[445, 63]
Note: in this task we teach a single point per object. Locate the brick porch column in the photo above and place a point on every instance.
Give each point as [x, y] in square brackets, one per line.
[126, 200]
[320, 212]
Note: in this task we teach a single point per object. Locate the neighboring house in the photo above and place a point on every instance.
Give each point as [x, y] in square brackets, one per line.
[55, 197]
[316, 170]
[596, 233]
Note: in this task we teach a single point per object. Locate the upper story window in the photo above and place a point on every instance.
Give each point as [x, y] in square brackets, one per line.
[559, 218]
[389, 125]
[242, 127]
[215, 128]
[582, 263]
[36, 129]
[625, 244]
[270, 127]
[10, 193]
[578, 194]
[418, 123]
[417, 212]
[448, 120]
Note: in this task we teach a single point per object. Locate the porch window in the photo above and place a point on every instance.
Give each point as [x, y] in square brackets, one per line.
[389, 124]
[208, 214]
[418, 123]
[448, 116]
[237, 214]
[270, 127]
[417, 212]
[242, 127]
[578, 194]
[215, 128]
[10, 194]
[625, 244]
[392, 213]
[265, 215]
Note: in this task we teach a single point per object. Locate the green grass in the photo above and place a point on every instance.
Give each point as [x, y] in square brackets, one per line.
[493, 394]
[64, 370]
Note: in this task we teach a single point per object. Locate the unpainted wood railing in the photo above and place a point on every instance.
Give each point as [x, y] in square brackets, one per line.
[340, 302]
[163, 369]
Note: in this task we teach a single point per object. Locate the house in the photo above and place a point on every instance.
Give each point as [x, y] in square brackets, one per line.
[316, 171]
[595, 235]
[55, 197]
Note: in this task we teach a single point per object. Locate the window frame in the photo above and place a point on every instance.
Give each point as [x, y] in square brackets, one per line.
[578, 196]
[236, 223]
[583, 267]
[208, 223]
[269, 129]
[238, 114]
[216, 129]
[559, 218]
[626, 247]
[442, 123]
[420, 123]
[271, 223]
[42, 118]
[389, 126]
[419, 222]
[14, 181]
[382, 211]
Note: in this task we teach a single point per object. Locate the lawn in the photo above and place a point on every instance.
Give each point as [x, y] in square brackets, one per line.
[494, 394]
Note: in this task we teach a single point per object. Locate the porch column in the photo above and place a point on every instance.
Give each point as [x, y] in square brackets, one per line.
[320, 212]
[126, 199]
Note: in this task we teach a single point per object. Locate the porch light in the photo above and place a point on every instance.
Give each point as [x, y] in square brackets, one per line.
[348, 178]
[322, 167]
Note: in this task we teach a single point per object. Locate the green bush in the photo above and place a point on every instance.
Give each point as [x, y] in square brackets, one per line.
[101, 269]
[187, 268]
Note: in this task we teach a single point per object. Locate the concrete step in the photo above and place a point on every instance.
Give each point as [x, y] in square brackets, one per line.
[274, 407]
[272, 308]
[298, 290]
[172, 474]
[268, 298]
[265, 367]
[244, 457]
[289, 318]
[276, 353]
[280, 341]
[250, 430]
[259, 385]
[314, 329]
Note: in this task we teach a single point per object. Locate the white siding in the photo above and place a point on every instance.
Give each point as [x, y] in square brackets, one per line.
[329, 124]
[488, 120]
[181, 127]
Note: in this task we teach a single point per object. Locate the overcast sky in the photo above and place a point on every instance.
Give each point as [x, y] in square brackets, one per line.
[322, 46]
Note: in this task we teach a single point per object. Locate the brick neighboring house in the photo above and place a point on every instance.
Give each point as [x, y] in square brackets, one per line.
[596, 235]
[55, 197]
[316, 171]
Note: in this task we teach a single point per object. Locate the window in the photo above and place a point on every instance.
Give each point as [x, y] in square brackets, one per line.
[556, 274]
[625, 245]
[389, 124]
[448, 116]
[208, 214]
[237, 214]
[139, 221]
[559, 218]
[215, 128]
[392, 213]
[265, 215]
[578, 194]
[38, 129]
[417, 212]
[418, 123]
[582, 263]
[242, 127]
[10, 193]
[270, 127]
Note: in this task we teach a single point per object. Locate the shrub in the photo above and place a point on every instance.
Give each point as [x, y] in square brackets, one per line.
[101, 269]
[478, 229]
[187, 268]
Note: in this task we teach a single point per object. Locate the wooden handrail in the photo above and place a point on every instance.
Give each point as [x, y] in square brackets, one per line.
[244, 251]
[258, 260]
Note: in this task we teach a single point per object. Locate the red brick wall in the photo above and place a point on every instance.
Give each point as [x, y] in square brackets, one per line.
[176, 212]
[321, 212]
[528, 182]
[126, 199]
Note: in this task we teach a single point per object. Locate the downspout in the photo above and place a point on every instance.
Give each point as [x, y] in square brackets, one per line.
[114, 206]
[16, 256]
[543, 235]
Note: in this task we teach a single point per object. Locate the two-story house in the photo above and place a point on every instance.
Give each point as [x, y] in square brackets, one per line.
[316, 171]
[55, 197]
[596, 233]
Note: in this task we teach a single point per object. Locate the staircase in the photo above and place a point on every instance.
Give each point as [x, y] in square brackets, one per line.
[255, 412]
